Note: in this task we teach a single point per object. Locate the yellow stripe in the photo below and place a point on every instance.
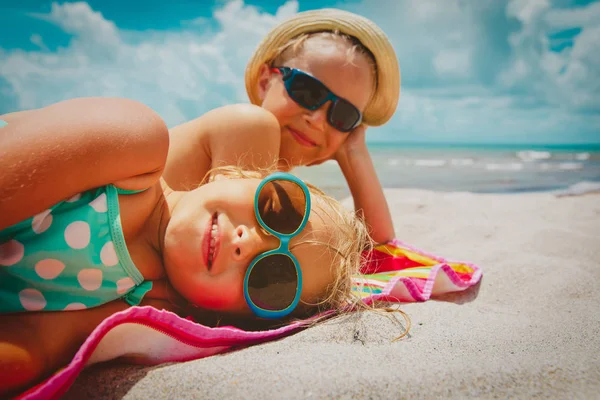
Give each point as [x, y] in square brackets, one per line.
[461, 268]
[419, 258]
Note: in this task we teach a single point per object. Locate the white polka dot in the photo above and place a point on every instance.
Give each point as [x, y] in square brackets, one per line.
[90, 279]
[11, 253]
[99, 203]
[41, 222]
[108, 255]
[74, 198]
[124, 285]
[77, 234]
[75, 306]
[49, 268]
[32, 300]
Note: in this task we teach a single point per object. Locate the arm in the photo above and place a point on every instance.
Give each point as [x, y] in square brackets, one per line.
[35, 345]
[50, 154]
[356, 165]
[241, 134]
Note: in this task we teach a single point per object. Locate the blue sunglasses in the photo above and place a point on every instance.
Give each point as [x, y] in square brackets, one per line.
[273, 282]
[311, 93]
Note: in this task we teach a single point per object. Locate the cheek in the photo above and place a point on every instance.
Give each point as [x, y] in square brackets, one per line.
[335, 140]
[278, 102]
[220, 295]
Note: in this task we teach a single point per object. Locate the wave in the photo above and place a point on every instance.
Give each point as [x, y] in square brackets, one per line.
[430, 163]
[570, 166]
[531, 155]
[504, 167]
[563, 166]
[579, 188]
[462, 162]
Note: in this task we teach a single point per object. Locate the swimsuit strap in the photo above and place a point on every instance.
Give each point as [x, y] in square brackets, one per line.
[126, 191]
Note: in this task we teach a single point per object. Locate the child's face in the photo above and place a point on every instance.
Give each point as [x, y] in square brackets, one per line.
[306, 136]
[239, 240]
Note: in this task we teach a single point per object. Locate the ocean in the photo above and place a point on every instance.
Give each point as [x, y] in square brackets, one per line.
[475, 168]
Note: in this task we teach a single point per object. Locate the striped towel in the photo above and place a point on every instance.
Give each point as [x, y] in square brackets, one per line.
[398, 272]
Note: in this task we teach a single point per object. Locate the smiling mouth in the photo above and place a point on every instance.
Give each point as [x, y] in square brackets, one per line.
[302, 138]
[213, 242]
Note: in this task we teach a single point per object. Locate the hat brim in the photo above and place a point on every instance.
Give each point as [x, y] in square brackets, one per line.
[387, 92]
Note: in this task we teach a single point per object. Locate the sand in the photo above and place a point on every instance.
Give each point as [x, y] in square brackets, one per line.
[530, 329]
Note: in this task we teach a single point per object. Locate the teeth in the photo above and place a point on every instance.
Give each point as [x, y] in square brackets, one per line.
[213, 240]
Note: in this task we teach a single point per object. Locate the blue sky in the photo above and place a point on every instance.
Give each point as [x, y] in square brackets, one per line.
[473, 71]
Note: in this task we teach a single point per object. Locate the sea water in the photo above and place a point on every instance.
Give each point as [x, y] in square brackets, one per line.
[475, 168]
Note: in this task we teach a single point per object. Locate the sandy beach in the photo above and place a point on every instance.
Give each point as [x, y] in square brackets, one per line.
[529, 329]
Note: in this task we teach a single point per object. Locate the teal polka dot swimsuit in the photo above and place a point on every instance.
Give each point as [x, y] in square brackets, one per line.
[71, 256]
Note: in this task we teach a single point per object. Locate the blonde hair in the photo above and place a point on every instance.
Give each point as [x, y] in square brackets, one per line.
[351, 244]
[355, 48]
[349, 238]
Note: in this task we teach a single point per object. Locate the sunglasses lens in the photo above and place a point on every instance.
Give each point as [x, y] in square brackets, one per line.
[343, 116]
[282, 206]
[273, 282]
[307, 91]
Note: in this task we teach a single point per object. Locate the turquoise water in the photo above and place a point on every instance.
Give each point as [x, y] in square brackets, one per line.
[575, 147]
[473, 168]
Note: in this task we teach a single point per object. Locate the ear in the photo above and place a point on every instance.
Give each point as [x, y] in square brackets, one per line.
[264, 79]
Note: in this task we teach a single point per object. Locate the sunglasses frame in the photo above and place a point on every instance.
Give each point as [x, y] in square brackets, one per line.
[288, 74]
[284, 249]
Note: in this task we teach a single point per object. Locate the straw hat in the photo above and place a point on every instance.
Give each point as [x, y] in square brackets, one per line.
[383, 103]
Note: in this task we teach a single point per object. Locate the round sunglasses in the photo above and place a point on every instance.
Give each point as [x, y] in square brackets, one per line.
[273, 282]
[311, 93]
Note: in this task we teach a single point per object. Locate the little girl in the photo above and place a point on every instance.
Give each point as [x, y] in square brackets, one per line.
[88, 227]
[317, 80]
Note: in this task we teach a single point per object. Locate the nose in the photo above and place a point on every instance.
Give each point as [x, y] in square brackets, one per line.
[318, 118]
[247, 243]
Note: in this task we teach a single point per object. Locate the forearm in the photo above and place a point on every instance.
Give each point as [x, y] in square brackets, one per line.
[369, 200]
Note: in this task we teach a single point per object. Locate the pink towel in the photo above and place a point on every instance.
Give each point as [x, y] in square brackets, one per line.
[396, 272]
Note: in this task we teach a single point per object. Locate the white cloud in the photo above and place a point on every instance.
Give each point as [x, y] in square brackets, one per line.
[181, 75]
[453, 62]
[577, 17]
[569, 78]
[497, 57]
[527, 11]
[476, 70]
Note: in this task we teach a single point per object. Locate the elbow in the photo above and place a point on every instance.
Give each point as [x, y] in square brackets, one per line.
[147, 130]
[381, 234]
[382, 238]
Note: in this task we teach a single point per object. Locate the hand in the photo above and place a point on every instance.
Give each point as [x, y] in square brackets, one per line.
[354, 141]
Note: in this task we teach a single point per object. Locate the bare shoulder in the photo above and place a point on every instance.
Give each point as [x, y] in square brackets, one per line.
[239, 121]
[239, 134]
[13, 116]
[244, 115]
[246, 135]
